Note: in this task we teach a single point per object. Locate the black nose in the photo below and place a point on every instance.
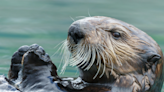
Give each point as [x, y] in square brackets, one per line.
[75, 33]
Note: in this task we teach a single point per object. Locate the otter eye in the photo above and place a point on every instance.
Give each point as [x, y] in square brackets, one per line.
[116, 34]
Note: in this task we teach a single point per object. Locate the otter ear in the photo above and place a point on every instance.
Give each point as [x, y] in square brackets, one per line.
[153, 58]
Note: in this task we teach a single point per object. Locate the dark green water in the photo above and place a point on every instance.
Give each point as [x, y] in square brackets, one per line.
[45, 22]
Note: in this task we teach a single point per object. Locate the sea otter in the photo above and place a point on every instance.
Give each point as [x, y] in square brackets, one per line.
[115, 53]
[111, 55]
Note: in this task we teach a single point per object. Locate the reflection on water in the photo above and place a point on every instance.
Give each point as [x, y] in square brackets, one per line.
[46, 22]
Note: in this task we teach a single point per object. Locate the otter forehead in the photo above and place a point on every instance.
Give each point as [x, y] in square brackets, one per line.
[97, 23]
[91, 29]
[101, 23]
[98, 20]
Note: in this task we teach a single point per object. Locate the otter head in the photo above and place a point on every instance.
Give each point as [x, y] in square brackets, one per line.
[104, 48]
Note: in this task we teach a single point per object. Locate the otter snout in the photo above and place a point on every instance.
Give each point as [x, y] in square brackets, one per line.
[75, 33]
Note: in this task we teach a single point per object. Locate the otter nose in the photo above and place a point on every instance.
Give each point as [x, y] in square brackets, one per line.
[75, 33]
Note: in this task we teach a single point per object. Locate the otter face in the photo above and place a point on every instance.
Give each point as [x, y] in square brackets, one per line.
[110, 45]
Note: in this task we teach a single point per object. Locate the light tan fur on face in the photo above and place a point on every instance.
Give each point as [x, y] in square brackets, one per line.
[100, 48]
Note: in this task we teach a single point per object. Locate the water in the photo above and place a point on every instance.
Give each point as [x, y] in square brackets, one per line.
[45, 22]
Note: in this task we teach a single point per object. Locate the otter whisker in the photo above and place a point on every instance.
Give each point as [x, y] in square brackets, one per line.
[62, 48]
[93, 58]
[86, 53]
[77, 52]
[77, 59]
[59, 47]
[77, 55]
[103, 68]
[65, 57]
[98, 55]
[89, 13]
[81, 17]
[63, 60]
[98, 63]
[108, 55]
[108, 59]
[110, 49]
[112, 67]
[87, 57]
[81, 58]
[72, 18]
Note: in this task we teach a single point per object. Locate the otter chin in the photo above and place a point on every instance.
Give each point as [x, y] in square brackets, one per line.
[108, 50]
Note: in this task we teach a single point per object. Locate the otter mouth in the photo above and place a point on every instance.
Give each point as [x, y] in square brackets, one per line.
[86, 57]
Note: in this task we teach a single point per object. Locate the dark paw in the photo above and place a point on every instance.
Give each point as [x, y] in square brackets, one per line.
[38, 51]
[38, 70]
[16, 62]
[36, 56]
